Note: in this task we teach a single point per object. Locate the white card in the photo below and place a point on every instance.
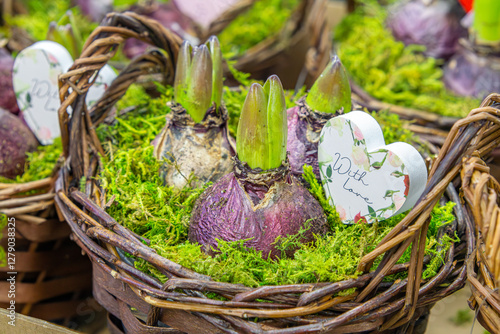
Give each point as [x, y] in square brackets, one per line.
[366, 179]
[35, 81]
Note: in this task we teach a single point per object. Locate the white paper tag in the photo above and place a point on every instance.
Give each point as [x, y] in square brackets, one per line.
[35, 81]
[366, 179]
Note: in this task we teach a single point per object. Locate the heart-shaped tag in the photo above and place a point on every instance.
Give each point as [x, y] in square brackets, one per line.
[366, 179]
[35, 81]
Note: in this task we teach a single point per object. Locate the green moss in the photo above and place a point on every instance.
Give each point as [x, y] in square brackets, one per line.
[144, 205]
[39, 164]
[263, 20]
[391, 72]
[394, 128]
[140, 126]
[329, 258]
[40, 13]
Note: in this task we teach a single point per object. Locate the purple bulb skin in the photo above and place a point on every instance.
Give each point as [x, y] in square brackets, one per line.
[435, 25]
[236, 209]
[473, 74]
[16, 139]
[304, 128]
[8, 99]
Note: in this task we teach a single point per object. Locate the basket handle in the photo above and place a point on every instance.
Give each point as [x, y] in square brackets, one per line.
[99, 48]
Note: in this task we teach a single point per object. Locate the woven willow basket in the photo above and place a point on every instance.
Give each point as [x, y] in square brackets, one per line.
[481, 191]
[297, 54]
[139, 303]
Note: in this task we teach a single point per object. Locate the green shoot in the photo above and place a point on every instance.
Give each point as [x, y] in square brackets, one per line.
[262, 129]
[331, 91]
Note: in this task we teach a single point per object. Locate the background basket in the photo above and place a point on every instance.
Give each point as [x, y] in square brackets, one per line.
[52, 278]
[483, 267]
[297, 54]
[139, 303]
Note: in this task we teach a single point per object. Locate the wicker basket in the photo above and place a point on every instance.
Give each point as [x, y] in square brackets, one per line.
[483, 267]
[139, 303]
[298, 53]
[52, 278]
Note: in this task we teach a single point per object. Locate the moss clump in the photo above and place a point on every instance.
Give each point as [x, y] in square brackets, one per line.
[138, 127]
[394, 129]
[142, 203]
[391, 72]
[263, 20]
[39, 164]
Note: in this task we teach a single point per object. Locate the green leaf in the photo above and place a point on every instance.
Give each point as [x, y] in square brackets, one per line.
[329, 171]
[199, 91]
[251, 139]
[372, 212]
[182, 73]
[216, 55]
[277, 128]
[262, 129]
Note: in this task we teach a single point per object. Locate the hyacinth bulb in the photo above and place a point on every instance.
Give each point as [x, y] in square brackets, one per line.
[331, 92]
[434, 24]
[473, 75]
[195, 143]
[475, 69]
[329, 96]
[262, 130]
[8, 99]
[16, 139]
[260, 201]
[198, 78]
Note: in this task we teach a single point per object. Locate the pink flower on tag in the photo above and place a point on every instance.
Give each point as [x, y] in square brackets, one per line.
[340, 211]
[358, 134]
[52, 58]
[44, 133]
[360, 158]
[398, 201]
[394, 160]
